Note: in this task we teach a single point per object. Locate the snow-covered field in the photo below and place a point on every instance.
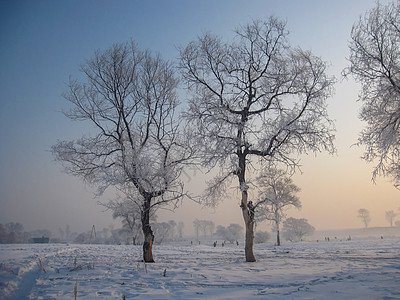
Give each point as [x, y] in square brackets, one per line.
[357, 269]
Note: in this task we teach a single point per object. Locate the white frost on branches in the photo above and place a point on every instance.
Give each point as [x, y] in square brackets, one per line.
[375, 63]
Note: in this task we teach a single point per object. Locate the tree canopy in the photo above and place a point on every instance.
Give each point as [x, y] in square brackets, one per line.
[254, 100]
[128, 96]
[375, 63]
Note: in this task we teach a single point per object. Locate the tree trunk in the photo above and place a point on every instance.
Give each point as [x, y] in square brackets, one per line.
[278, 239]
[147, 233]
[249, 225]
[148, 246]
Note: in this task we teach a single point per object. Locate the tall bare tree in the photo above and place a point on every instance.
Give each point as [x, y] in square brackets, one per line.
[128, 96]
[278, 193]
[375, 63]
[254, 100]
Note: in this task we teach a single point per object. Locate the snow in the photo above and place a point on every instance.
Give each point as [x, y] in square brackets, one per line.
[356, 269]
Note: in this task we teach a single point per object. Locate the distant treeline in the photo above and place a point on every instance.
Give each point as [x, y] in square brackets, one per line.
[13, 233]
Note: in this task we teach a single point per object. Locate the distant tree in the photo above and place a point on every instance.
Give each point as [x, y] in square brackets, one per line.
[173, 226]
[375, 63]
[129, 98]
[231, 233]
[236, 232]
[128, 210]
[68, 234]
[65, 235]
[82, 238]
[3, 234]
[196, 225]
[164, 232]
[297, 229]
[278, 193]
[204, 226]
[210, 227]
[363, 214]
[15, 227]
[254, 101]
[180, 227]
[261, 237]
[13, 233]
[390, 215]
[62, 234]
[221, 231]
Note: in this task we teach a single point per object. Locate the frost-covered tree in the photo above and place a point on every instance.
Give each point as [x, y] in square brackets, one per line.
[255, 100]
[363, 214]
[375, 63]
[390, 215]
[296, 229]
[231, 233]
[128, 97]
[278, 193]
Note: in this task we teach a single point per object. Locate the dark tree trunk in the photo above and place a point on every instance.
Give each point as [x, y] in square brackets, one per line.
[248, 214]
[249, 224]
[278, 230]
[147, 232]
[278, 238]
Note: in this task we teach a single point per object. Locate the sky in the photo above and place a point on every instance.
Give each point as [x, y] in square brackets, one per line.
[43, 43]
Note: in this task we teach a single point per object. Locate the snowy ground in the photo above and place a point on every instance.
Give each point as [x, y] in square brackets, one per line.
[357, 269]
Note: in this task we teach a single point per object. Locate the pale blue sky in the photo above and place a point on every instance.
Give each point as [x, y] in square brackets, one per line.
[42, 43]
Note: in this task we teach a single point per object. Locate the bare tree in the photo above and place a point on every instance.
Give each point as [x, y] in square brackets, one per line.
[375, 63]
[363, 214]
[278, 193]
[390, 215]
[255, 100]
[128, 96]
[296, 229]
